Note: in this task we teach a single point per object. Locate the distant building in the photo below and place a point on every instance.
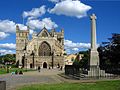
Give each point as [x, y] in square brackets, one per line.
[45, 49]
[69, 59]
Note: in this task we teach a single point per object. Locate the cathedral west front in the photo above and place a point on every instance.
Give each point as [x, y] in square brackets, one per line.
[45, 49]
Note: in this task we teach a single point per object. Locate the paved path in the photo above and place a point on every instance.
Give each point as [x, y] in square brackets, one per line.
[35, 77]
[45, 76]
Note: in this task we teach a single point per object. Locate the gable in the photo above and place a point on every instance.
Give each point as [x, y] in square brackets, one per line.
[44, 33]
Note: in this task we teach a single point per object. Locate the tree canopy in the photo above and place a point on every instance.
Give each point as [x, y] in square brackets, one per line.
[109, 52]
[7, 58]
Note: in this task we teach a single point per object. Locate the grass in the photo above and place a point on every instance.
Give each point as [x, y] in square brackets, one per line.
[100, 85]
[3, 70]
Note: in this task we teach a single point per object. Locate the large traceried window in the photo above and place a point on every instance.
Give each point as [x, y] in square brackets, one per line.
[44, 49]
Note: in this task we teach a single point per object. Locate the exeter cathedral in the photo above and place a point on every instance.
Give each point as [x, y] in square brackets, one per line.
[44, 49]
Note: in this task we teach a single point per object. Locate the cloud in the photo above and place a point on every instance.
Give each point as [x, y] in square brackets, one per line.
[73, 8]
[7, 26]
[55, 1]
[39, 24]
[75, 47]
[3, 35]
[3, 52]
[70, 44]
[35, 12]
[9, 46]
[23, 27]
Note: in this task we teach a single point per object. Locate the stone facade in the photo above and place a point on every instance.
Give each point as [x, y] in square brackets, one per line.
[45, 49]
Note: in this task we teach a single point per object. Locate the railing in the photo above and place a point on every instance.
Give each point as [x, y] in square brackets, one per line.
[81, 73]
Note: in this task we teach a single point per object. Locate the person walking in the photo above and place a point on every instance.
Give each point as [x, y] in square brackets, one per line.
[39, 68]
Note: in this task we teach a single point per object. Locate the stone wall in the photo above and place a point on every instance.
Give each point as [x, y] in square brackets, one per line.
[2, 85]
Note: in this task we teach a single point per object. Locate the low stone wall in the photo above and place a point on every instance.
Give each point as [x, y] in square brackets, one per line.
[2, 85]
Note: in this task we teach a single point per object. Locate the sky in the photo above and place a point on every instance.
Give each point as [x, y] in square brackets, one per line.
[71, 15]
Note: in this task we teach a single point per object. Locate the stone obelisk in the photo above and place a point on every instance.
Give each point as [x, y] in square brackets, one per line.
[94, 57]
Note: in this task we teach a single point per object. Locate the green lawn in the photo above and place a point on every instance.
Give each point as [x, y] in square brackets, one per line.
[101, 85]
[3, 71]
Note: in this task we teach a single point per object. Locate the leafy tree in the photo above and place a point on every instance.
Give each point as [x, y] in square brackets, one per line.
[76, 63]
[8, 58]
[109, 52]
[84, 62]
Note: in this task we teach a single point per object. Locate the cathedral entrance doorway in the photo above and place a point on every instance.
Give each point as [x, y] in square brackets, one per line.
[44, 65]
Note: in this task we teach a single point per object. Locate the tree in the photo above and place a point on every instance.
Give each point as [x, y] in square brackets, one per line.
[109, 52]
[8, 58]
[84, 62]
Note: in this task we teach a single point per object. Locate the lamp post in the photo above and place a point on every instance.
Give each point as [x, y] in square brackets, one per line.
[26, 65]
[33, 60]
[53, 59]
[23, 60]
[36, 65]
[24, 54]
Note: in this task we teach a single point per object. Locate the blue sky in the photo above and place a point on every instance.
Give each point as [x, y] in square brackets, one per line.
[77, 29]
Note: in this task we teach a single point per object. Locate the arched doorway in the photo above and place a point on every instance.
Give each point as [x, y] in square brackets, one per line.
[31, 65]
[44, 49]
[44, 65]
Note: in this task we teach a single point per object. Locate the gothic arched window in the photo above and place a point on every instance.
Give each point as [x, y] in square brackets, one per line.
[44, 49]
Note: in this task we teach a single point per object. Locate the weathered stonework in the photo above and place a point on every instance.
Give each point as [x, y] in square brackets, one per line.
[45, 49]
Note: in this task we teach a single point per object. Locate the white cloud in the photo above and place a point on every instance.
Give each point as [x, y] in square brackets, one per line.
[69, 44]
[10, 46]
[3, 52]
[55, 1]
[35, 12]
[37, 24]
[23, 27]
[7, 26]
[3, 35]
[75, 47]
[70, 8]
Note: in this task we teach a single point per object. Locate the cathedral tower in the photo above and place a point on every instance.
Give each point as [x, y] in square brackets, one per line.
[22, 38]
